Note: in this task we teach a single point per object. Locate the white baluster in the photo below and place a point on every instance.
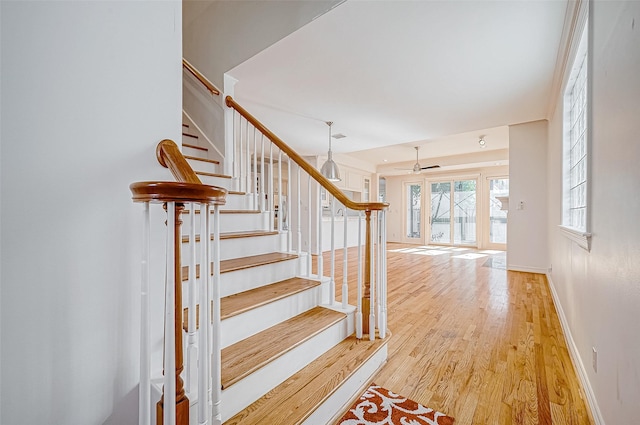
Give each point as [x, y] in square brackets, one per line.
[288, 204]
[299, 211]
[215, 326]
[383, 277]
[144, 412]
[372, 269]
[280, 209]
[204, 377]
[319, 243]
[359, 290]
[271, 200]
[169, 408]
[332, 287]
[345, 283]
[247, 188]
[262, 177]
[309, 226]
[192, 354]
[254, 189]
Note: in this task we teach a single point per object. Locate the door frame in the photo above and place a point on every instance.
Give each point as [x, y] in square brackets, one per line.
[486, 242]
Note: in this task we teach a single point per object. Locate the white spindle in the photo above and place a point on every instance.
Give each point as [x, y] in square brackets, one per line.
[280, 209]
[359, 290]
[144, 412]
[247, 188]
[262, 177]
[309, 227]
[254, 164]
[372, 284]
[319, 243]
[345, 283]
[215, 326]
[288, 204]
[332, 287]
[169, 409]
[299, 213]
[192, 359]
[271, 200]
[203, 335]
[383, 277]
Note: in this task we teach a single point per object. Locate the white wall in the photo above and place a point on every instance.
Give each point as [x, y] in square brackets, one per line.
[599, 291]
[88, 90]
[527, 219]
[211, 30]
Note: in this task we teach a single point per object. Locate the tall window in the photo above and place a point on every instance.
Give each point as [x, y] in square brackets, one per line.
[575, 161]
[414, 209]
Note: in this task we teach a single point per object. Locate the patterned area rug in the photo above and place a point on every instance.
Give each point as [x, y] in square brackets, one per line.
[378, 406]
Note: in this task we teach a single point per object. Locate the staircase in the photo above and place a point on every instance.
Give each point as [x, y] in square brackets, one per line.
[287, 358]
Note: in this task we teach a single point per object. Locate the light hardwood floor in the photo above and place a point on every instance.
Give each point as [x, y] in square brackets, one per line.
[472, 340]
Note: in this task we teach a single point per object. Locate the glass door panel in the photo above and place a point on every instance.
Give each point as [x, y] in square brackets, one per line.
[497, 216]
[414, 210]
[441, 212]
[464, 212]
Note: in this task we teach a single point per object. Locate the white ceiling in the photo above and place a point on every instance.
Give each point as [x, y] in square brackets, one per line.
[392, 75]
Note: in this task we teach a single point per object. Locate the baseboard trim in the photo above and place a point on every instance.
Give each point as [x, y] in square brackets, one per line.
[526, 269]
[575, 356]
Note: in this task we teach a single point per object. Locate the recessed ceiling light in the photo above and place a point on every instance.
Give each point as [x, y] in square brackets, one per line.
[338, 136]
[482, 142]
[385, 160]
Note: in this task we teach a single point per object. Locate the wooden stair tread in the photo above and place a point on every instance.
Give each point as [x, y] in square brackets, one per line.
[297, 397]
[245, 357]
[235, 304]
[222, 176]
[186, 145]
[254, 261]
[195, 158]
[227, 211]
[235, 264]
[236, 235]
[193, 136]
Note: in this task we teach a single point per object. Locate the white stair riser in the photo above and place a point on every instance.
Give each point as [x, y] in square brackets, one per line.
[237, 248]
[240, 202]
[228, 222]
[207, 167]
[254, 386]
[344, 395]
[244, 325]
[186, 150]
[217, 181]
[255, 277]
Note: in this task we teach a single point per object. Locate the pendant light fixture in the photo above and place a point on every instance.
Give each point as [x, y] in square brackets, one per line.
[329, 168]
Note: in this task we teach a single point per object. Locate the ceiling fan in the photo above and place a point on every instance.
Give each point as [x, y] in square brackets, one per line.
[417, 168]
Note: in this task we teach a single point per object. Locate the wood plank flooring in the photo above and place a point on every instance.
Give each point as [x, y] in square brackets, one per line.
[472, 340]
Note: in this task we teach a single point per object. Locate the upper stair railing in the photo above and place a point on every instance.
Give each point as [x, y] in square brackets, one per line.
[173, 407]
[257, 162]
[198, 75]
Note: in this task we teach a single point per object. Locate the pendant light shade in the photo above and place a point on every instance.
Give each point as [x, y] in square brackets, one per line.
[330, 168]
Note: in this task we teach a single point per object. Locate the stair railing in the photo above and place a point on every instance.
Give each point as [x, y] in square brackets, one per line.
[250, 139]
[198, 75]
[173, 406]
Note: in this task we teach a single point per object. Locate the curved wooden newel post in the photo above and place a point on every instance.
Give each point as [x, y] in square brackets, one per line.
[366, 295]
[182, 402]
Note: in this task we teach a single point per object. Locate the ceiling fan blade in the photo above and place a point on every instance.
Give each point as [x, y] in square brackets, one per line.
[430, 166]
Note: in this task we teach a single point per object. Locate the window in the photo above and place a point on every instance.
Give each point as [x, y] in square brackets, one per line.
[414, 209]
[576, 148]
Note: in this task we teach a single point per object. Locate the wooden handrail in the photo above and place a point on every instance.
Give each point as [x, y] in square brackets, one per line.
[169, 156]
[310, 169]
[177, 192]
[208, 84]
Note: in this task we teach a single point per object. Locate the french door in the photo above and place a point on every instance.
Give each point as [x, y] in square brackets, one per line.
[453, 207]
[498, 201]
